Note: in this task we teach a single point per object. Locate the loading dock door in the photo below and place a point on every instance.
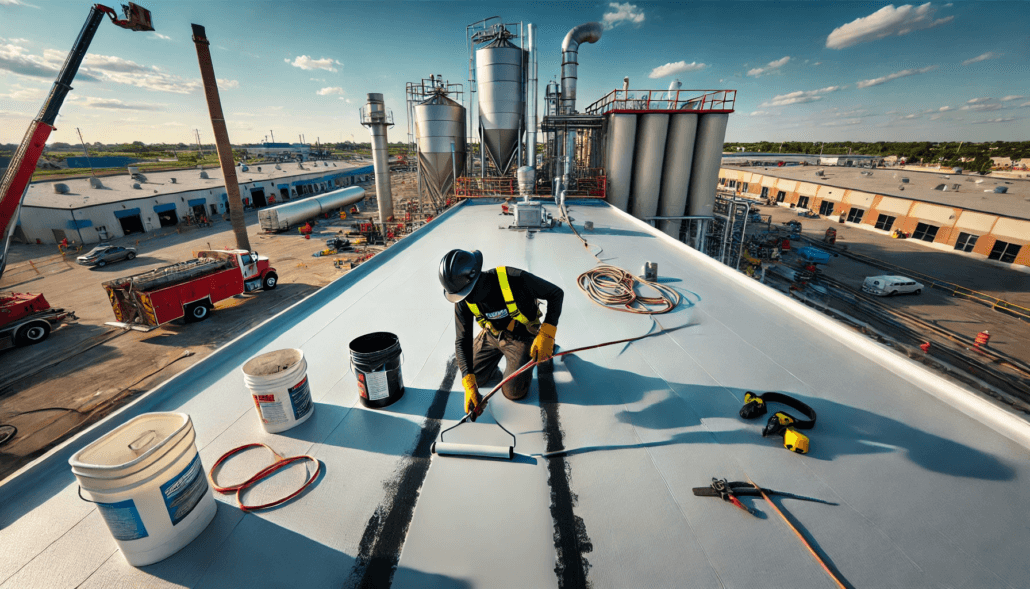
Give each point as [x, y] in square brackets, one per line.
[130, 220]
[284, 193]
[197, 206]
[258, 196]
[166, 215]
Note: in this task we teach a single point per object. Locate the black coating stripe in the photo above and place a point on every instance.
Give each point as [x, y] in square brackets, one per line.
[570, 537]
[379, 550]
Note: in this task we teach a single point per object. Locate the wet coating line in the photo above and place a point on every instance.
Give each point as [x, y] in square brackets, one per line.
[570, 535]
[379, 550]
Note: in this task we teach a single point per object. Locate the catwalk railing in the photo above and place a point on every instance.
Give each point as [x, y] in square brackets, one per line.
[505, 187]
[697, 101]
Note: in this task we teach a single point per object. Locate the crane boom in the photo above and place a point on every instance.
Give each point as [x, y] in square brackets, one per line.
[19, 172]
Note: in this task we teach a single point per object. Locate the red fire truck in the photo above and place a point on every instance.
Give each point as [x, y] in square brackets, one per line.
[187, 290]
[28, 319]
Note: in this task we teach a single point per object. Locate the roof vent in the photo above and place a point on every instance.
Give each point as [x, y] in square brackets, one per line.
[136, 186]
[820, 173]
[956, 170]
[95, 182]
[173, 180]
[956, 186]
[904, 180]
[941, 187]
[278, 167]
[901, 187]
[203, 175]
[1001, 189]
[259, 168]
[60, 188]
[244, 168]
[133, 170]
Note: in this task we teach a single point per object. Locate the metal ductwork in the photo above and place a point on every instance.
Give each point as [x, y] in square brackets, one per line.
[585, 33]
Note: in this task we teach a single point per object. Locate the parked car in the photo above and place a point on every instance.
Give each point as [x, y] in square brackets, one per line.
[106, 253]
[885, 286]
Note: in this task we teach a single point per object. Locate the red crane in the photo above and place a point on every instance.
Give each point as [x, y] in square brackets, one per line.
[23, 164]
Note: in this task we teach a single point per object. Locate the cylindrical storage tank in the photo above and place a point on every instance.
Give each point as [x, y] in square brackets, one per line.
[622, 136]
[439, 122]
[679, 159]
[340, 198]
[148, 483]
[648, 159]
[499, 76]
[711, 133]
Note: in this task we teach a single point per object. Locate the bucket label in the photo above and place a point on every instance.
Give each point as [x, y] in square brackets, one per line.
[378, 385]
[123, 520]
[270, 409]
[185, 491]
[300, 398]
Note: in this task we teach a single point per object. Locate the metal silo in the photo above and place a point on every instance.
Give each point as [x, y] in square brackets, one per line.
[622, 136]
[439, 125]
[499, 77]
[679, 159]
[647, 166]
[711, 133]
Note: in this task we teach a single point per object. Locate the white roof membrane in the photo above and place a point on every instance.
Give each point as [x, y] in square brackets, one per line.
[929, 478]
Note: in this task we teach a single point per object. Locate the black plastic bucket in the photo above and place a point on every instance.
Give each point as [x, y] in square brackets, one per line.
[376, 358]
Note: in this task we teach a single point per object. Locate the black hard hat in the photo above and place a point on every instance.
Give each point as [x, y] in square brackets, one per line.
[459, 271]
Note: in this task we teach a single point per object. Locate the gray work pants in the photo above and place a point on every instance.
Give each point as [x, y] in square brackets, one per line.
[486, 355]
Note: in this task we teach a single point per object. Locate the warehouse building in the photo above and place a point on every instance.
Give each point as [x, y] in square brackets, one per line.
[91, 210]
[751, 158]
[978, 216]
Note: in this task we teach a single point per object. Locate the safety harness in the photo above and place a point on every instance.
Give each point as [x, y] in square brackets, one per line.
[509, 302]
[781, 422]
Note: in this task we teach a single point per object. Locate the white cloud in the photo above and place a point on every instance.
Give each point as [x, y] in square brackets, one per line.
[113, 64]
[771, 66]
[912, 116]
[114, 103]
[842, 123]
[318, 79]
[1008, 120]
[1024, 104]
[885, 22]
[331, 90]
[160, 36]
[228, 84]
[983, 57]
[25, 94]
[801, 96]
[894, 76]
[622, 13]
[677, 67]
[991, 106]
[17, 3]
[307, 63]
[1013, 97]
[944, 109]
[17, 59]
[760, 113]
[976, 100]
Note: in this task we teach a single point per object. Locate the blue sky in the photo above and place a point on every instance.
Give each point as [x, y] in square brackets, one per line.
[804, 71]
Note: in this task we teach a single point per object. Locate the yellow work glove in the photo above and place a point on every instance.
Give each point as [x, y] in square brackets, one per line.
[472, 397]
[543, 346]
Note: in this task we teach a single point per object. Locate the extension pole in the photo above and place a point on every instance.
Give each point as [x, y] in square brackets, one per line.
[214, 106]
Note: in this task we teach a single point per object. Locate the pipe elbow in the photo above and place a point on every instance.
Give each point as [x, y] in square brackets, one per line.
[589, 32]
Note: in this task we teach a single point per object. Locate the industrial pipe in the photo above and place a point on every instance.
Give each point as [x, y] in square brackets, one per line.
[585, 33]
[531, 101]
[376, 119]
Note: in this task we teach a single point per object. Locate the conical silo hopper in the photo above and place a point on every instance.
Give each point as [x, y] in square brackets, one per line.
[439, 122]
[499, 77]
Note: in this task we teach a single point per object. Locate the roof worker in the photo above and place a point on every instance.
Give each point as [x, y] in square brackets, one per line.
[504, 301]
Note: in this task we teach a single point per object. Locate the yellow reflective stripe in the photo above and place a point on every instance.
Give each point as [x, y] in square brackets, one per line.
[480, 318]
[509, 297]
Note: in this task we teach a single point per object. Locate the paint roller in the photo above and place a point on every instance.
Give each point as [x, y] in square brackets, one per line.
[444, 448]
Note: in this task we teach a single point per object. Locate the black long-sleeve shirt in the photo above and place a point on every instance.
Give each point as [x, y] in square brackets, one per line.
[526, 287]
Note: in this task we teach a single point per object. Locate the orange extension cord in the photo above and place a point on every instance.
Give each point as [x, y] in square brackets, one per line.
[280, 462]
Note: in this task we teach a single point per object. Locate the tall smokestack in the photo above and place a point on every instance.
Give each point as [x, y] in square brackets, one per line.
[531, 101]
[214, 106]
[375, 117]
[585, 33]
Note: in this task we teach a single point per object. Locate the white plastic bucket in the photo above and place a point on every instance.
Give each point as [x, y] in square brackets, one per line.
[149, 484]
[278, 382]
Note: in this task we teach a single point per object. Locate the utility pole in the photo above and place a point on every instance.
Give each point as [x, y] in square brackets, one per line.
[92, 172]
[214, 106]
[273, 135]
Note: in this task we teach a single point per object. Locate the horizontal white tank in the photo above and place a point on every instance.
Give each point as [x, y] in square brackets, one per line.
[292, 214]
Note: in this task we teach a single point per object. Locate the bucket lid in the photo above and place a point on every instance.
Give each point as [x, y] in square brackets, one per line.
[132, 445]
[272, 363]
